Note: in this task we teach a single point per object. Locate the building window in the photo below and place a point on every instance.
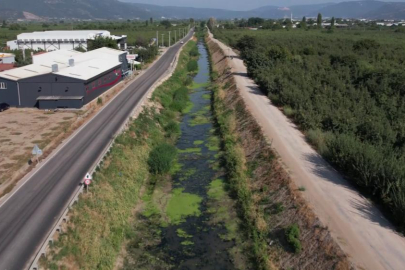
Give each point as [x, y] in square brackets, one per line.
[3, 85]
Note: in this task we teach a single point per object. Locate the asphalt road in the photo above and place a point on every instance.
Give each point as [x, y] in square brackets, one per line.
[30, 213]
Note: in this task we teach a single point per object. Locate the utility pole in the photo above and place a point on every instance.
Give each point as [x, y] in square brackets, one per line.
[157, 39]
[169, 38]
[175, 39]
[163, 40]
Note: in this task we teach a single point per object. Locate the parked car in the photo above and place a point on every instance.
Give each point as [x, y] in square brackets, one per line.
[182, 42]
[4, 106]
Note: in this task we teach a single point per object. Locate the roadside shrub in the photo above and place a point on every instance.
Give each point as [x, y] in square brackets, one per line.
[161, 158]
[292, 234]
[188, 81]
[100, 101]
[180, 99]
[172, 129]
[318, 139]
[192, 66]
[288, 111]
[194, 52]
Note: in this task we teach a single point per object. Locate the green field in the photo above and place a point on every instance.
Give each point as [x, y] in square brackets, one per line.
[346, 90]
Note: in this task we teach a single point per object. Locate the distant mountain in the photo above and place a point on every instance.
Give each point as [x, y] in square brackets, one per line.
[308, 10]
[352, 9]
[80, 9]
[186, 12]
[128, 9]
[393, 11]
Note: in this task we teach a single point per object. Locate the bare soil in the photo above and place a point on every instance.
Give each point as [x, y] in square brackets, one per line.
[274, 192]
[22, 128]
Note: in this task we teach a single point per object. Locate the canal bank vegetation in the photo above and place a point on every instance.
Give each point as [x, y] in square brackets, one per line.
[101, 222]
[187, 219]
[284, 233]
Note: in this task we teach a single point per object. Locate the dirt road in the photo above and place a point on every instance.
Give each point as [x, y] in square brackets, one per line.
[357, 225]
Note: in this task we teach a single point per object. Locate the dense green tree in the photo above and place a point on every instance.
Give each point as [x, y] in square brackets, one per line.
[80, 49]
[319, 20]
[255, 21]
[100, 42]
[303, 23]
[166, 23]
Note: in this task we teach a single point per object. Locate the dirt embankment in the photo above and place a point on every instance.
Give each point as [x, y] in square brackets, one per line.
[276, 198]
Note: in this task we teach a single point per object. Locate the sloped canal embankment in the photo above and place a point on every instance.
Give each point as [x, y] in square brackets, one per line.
[188, 220]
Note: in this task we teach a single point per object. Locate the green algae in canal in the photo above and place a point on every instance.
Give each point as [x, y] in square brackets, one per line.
[195, 225]
[182, 205]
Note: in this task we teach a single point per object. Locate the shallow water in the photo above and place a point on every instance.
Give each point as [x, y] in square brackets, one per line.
[204, 248]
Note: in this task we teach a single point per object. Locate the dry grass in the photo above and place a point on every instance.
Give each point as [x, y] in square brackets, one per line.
[271, 186]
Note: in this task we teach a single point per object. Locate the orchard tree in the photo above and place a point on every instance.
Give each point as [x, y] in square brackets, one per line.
[319, 20]
[166, 23]
[303, 23]
[211, 23]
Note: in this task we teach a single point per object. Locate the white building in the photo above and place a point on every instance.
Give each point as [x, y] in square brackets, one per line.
[57, 40]
[7, 58]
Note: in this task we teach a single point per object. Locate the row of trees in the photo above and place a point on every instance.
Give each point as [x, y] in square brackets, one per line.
[276, 24]
[348, 94]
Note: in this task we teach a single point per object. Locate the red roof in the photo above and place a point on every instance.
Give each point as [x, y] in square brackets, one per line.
[39, 53]
[4, 67]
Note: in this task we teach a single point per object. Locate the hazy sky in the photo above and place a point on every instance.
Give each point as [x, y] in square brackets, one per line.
[236, 4]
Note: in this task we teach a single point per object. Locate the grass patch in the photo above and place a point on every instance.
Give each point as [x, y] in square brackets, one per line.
[187, 243]
[183, 234]
[190, 150]
[292, 234]
[181, 205]
[199, 120]
[188, 108]
[213, 143]
[189, 172]
[217, 189]
[206, 96]
[199, 85]
[198, 142]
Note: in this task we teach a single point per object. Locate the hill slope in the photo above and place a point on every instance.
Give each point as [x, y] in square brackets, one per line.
[81, 9]
[128, 9]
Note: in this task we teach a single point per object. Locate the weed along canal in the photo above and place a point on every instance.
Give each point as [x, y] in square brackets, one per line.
[188, 220]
